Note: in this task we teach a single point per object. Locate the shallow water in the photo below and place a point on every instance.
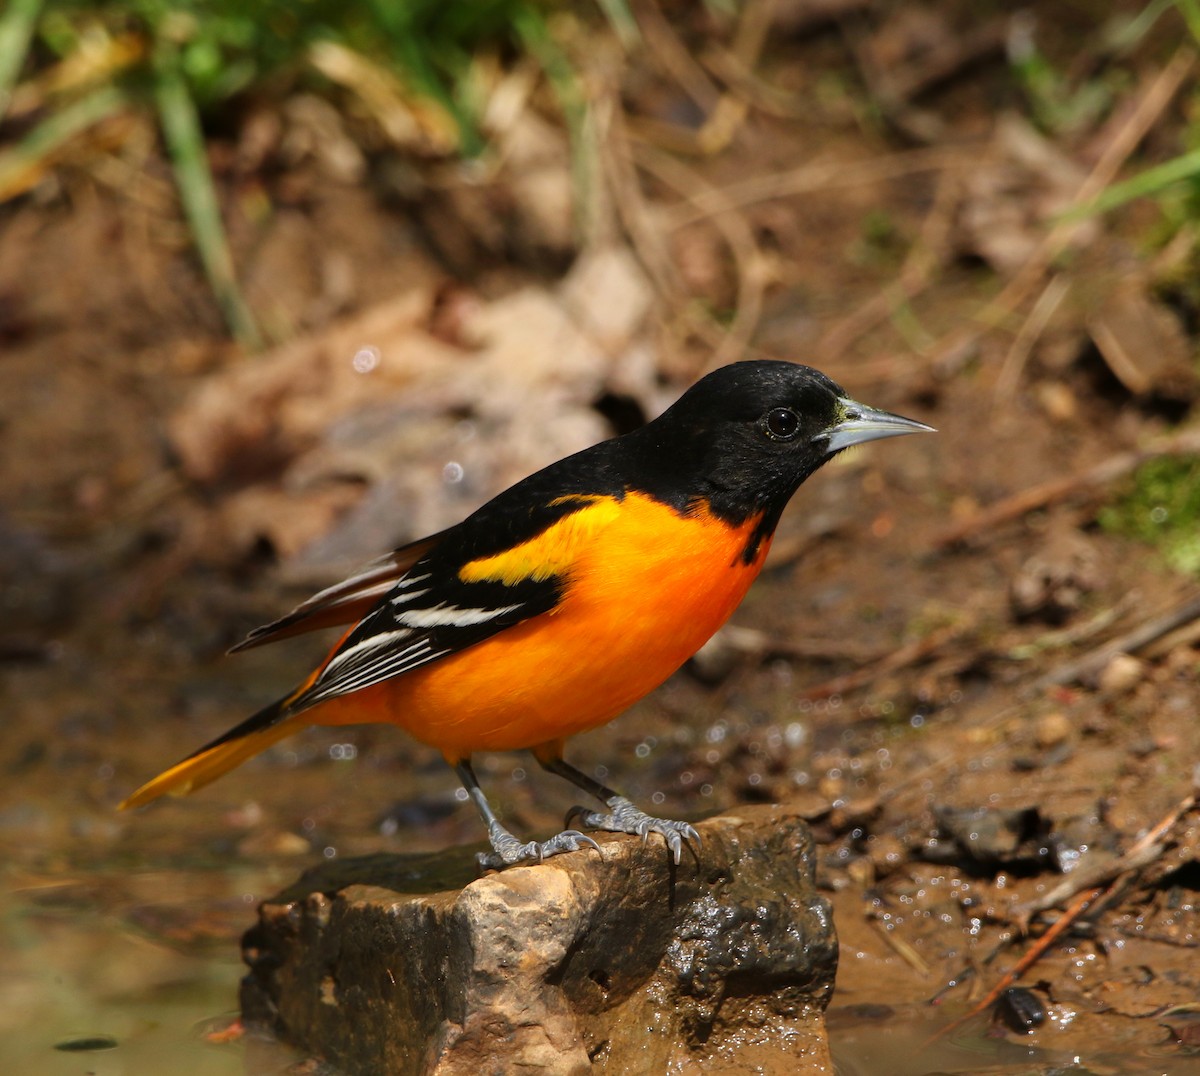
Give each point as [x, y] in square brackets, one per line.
[78, 974]
[149, 961]
[125, 927]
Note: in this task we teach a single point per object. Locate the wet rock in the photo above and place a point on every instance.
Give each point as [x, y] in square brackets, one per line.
[989, 837]
[618, 961]
[1021, 1009]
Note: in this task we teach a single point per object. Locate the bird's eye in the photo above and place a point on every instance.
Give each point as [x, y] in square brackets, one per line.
[781, 423]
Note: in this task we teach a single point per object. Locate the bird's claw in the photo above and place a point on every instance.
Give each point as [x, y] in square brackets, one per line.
[507, 850]
[624, 817]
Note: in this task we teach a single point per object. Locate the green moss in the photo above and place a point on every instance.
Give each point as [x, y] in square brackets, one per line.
[1162, 508]
[190, 61]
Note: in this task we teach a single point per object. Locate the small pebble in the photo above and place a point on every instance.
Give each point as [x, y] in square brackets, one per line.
[1052, 729]
[1122, 672]
[1021, 1009]
[1057, 401]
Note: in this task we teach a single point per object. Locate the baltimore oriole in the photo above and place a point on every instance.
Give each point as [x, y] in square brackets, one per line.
[566, 598]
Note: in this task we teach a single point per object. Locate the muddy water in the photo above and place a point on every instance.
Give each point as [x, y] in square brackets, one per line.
[120, 932]
[85, 991]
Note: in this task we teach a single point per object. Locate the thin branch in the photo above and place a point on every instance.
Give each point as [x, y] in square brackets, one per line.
[1118, 466]
[1136, 858]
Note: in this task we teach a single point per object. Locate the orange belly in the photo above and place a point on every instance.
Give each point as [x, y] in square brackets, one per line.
[642, 597]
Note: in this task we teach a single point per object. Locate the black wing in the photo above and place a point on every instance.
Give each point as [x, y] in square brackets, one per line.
[432, 612]
[344, 602]
[428, 615]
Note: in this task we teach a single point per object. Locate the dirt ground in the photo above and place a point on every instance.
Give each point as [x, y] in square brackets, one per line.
[985, 699]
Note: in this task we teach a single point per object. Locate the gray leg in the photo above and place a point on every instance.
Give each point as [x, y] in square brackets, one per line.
[623, 816]
[506, 849]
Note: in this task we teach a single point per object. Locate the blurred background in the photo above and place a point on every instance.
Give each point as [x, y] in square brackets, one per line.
[283, 285]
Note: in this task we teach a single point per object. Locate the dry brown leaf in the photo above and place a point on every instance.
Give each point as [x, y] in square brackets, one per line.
[423, 429]
[1143, 342]
[1009, 201]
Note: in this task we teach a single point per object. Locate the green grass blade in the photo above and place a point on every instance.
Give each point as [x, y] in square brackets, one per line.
[1123, 37]
[620, 18]
[535, 36]
[1151, 182]
[413, 56]
[16, 31]
[180, 122]
[27, 157]
[1190, 10]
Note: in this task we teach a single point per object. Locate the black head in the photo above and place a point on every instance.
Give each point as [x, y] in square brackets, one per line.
[745, 437]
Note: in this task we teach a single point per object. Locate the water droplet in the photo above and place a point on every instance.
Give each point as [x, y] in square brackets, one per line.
[365, 360]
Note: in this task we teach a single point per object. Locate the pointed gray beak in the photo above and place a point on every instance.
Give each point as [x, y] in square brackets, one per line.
[864, 423]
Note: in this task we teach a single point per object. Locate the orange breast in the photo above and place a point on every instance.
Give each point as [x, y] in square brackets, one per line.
[647, 588]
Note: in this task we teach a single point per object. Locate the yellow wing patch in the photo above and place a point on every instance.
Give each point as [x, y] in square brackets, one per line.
[552, 553]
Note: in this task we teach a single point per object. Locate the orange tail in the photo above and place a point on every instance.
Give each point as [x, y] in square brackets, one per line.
[235, 747]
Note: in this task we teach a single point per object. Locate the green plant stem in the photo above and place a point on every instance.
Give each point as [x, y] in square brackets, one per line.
[620, 18]
[53, 132]
[16, 31]
[413, 56]
[184, 138]
[1190, 10]
[1152, 181]
[564, 80]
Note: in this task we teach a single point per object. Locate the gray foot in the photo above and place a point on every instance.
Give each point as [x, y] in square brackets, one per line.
[624, 817]
[508, 851]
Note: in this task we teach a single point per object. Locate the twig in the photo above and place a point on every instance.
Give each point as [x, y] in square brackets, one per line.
[813, 177]
[758, 643]
[909, 654]
[1087, 876]
[1150, 840]
[1056, 640]
[674, 58]
[724, 111]
[752, 29]
[902, 949]
[1117, 466]
[1186, 635]
[1086, 667]
[751, 87]
[751, 274]
[644, 234]
[894, 91]
[945, 61]
[924, 257]
[1151, 105]
[1145, 114]
[1018, 355]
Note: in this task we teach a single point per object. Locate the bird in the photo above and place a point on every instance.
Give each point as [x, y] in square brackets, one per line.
[566, 598]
